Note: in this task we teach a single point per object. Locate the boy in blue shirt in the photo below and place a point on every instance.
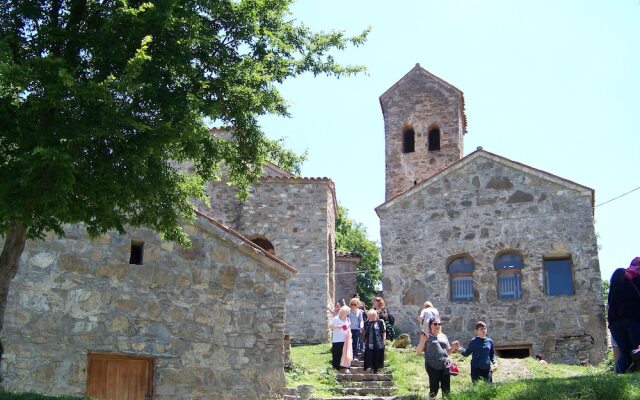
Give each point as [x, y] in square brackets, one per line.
[483, 361]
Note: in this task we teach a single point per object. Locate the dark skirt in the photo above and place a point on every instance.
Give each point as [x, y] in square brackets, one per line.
[336, 354]
[373, 358]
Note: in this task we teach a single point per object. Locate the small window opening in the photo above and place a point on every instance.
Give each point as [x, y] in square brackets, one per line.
[514, 352]
[265, 245]
[137, 252]
[408, 140]
[434, 139]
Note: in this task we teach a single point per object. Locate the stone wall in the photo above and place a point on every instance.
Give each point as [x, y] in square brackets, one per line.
[297, 215]
[346, 278]
[211, 317]
[421, 101]
[480, 207]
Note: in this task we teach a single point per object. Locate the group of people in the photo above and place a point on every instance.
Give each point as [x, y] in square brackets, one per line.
[356, 331]
[437, 350]
[624, 316]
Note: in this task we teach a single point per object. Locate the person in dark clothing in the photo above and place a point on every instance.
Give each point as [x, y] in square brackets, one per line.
[385, 315]
[374, 338]
[624, 312]
[483, 359]
[436, 359]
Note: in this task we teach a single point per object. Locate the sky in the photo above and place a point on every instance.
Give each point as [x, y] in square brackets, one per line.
[551, 84]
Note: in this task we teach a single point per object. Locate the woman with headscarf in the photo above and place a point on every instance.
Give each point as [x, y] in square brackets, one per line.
[624, 312]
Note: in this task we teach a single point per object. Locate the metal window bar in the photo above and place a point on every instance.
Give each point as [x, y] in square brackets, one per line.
[509, 286]
[462, 288]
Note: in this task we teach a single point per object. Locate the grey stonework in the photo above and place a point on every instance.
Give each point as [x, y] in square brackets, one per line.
[420, 101]
[346, 279]
[480, 207]
[450, 215]
[212, 316]
[297, 216]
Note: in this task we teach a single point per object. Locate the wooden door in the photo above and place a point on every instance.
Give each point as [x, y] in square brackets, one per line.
[119, 377]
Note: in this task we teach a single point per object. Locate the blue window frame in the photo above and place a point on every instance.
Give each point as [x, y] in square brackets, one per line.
[509, 286]
[461, 279]
[558, 277]
[508, 267]
[462, 288]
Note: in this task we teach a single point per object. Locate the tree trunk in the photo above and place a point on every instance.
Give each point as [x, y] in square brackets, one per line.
[14, 242]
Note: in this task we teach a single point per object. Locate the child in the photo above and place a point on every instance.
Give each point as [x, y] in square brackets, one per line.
[374, 338]
[483, 361]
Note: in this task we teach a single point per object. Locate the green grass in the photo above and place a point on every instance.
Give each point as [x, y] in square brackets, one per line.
[602, 386]
[312, 365]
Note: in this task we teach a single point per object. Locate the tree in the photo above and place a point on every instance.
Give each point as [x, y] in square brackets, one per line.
[99, 98]
[352, 237]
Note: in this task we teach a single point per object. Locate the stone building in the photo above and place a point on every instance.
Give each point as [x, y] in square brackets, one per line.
[484, 237]
[294, 219]
[131, 316]
[345, 277]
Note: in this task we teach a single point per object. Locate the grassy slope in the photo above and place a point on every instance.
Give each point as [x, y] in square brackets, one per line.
[518, 379]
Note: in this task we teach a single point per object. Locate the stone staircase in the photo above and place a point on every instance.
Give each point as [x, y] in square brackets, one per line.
[357, 385]
[362, 383]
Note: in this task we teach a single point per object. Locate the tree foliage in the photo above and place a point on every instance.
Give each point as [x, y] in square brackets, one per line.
[99, 98]
[352, 237]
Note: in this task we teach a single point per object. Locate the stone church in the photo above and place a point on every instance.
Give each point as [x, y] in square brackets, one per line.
[136, 314]
[136, 317]
[484, 237]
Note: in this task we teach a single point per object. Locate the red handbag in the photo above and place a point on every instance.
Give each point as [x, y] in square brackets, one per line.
[453, 369]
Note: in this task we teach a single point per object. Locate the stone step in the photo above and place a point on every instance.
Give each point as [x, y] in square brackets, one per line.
[341, 377]
[357, 398]
[361, 364]
[360, 384]
[379, 391]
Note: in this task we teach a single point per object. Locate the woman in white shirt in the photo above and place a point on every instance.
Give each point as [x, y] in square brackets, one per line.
[341, 340]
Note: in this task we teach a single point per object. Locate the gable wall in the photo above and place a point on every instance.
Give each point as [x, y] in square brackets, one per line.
[211, 316]
[298, 219]
[481, 210]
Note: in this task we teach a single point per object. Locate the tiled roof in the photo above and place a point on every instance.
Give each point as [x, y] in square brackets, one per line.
[346, 254]
[246, 241]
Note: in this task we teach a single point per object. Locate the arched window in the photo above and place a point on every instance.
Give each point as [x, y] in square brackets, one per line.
[265, 245]
[408, 140]
[461, 279]
[434, 139]
[508, 267]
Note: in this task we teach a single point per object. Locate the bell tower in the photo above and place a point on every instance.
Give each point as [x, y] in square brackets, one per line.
[424, 125]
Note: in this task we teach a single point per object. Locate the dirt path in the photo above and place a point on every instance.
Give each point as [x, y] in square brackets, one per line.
[511, 369]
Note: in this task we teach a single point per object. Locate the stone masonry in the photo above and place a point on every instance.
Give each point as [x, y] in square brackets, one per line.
[211, 317]
[346, 278]
[440, 207]
[420, 101]
[482, 207]
[297, 216]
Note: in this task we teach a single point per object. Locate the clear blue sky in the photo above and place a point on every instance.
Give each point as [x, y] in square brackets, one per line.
[552, 84]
